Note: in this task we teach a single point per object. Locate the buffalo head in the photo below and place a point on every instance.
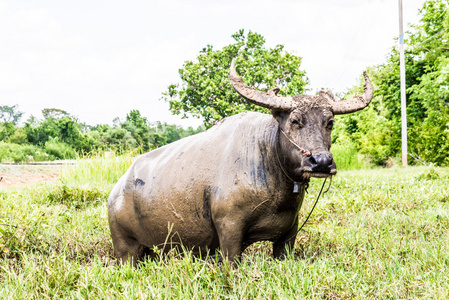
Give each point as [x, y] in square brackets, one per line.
[304, 125]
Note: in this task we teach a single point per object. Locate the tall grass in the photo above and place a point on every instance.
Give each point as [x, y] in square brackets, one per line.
[377, 234]
[346, 157]
[98, 171]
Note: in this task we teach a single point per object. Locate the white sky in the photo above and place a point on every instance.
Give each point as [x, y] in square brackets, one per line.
[98, 59]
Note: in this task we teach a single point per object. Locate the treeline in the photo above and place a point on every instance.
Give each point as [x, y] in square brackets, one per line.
[61, 136]
[376, 131]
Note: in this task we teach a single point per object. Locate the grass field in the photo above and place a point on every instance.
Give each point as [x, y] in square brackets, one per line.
[378, 233]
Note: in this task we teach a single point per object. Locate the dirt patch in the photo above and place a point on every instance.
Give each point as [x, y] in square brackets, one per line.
[26, 175]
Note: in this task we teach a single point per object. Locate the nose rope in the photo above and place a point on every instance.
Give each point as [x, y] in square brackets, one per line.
[296, 184]
[305, 152]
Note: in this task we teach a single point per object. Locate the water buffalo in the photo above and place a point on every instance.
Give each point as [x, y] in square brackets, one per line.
[235, 184]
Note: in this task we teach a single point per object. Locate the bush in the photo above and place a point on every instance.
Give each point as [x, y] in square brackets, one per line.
[18, 137]
[29, 153]
[346, 157]
[21, 153]
[370, 132]
[59, 150]
[429, 139]
[75, 197]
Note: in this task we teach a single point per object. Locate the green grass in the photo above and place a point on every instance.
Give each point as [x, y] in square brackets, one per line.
[378, 233]
[346, 157]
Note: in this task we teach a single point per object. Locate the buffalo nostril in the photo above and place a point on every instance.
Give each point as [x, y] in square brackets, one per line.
[321, 159]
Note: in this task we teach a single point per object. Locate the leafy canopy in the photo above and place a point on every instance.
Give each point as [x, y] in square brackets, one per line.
[10, 114]
[206, 91]
[427, 82]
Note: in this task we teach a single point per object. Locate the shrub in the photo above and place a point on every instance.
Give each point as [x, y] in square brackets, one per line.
[59, 150]
[29, 153]
[20, 153]
[346, 157]
[72, 196]
[429, 138]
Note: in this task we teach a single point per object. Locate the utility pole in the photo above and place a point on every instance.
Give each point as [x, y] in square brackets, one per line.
[403, 96]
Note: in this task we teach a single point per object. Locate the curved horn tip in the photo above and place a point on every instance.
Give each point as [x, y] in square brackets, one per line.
[368, 86]
[365, 75]
[357, 102]
[233, 72]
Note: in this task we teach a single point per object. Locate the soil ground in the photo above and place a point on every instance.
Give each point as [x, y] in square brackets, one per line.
[25, 175]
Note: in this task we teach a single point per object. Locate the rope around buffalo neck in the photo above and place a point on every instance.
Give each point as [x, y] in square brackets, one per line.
[314, 205]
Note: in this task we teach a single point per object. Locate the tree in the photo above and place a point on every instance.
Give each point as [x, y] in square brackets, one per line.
[7, 129]
[54, 113]
[138, 127]
[206, 91]
[427, 75]
[10, 114]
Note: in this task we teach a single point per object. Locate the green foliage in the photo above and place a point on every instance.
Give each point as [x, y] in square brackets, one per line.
[114, 138]
[377, 130]
[21, 153]
[59, 150]
[346, 157]
[61, 136]
[163, 133]
[99, 172]
[429, 174]
[430, 138]
[206, 90]
[54, 113]
[138, 127]
[7, 129]
[370, 131]
[18, 137]
[74, 196]
[57, 124]
[10, 114]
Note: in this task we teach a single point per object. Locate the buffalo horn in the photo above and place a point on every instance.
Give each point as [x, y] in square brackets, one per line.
[265, 99]
[356, 103]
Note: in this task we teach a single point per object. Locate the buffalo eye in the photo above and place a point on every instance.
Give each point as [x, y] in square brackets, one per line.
[297, 123]
[330, 124]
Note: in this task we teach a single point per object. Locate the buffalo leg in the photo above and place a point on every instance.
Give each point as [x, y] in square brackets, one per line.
[126, 247]
[231, 238]
[286, 243]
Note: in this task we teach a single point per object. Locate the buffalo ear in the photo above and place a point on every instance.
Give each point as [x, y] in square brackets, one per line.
[274, 91]
[327, 96]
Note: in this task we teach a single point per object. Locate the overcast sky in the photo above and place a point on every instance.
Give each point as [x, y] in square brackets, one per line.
[99, 59]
